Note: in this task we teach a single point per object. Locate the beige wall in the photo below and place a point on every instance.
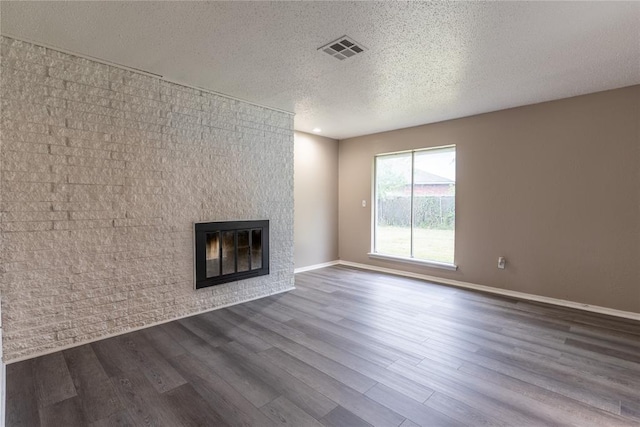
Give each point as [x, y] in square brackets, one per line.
[553, 187]
[316, 199]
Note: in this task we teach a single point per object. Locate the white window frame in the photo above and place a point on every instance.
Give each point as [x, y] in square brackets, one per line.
[409, 260]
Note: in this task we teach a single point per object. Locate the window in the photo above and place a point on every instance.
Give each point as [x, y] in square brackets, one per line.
[414, 211]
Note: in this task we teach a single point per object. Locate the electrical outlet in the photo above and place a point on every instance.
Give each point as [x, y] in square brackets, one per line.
[364, 203]
[501, 262]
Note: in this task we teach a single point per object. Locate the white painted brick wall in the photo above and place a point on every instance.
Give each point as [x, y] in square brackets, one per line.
[103, 173]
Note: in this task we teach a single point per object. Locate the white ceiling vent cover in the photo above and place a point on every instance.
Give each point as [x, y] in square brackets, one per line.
[343, 48]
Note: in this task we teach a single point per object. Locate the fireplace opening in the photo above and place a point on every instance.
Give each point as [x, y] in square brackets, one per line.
[230, 251]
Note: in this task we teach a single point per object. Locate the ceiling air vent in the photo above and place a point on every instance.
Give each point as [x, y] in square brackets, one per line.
[343, 48]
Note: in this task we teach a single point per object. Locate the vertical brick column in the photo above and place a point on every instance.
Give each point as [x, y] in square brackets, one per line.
[103, 173]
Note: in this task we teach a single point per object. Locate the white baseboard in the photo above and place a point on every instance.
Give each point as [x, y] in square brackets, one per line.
[66, 347]
[515, 294]
[315, 266]
[434, 279]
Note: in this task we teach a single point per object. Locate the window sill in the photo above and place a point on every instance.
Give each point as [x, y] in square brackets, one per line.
[432, 264]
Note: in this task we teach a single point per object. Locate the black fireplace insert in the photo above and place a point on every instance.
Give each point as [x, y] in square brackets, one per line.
[230, 251]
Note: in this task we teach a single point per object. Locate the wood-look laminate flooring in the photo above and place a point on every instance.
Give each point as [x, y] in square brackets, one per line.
[346, 348]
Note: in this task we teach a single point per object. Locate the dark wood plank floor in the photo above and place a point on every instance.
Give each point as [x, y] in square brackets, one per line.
[346, 348]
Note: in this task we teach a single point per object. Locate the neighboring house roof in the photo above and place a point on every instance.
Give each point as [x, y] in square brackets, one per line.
[426, 178]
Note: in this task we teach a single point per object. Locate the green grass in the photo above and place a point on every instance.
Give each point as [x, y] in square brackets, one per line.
[430, 245]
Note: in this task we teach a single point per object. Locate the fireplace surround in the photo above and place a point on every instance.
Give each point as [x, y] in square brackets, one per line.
[230, 251]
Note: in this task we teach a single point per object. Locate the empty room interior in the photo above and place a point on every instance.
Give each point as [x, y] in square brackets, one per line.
[319, 213]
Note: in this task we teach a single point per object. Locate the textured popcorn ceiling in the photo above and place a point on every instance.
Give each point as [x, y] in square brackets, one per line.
[425, 62]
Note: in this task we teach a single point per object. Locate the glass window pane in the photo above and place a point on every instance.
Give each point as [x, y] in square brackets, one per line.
[393, 205]
[434, 191]
[243, 250]
[256, 249]
[228, 253]
[213, 254]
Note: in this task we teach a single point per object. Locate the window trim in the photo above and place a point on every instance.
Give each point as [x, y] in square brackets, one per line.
[374, 217]
[417, 261]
